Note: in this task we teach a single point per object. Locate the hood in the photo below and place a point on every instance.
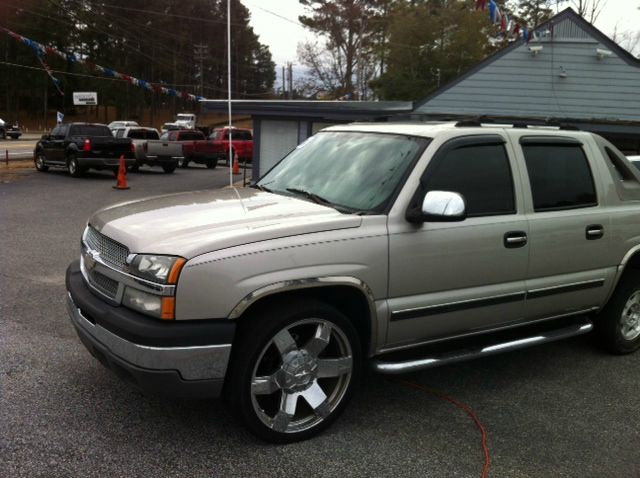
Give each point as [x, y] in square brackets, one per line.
[193, 223]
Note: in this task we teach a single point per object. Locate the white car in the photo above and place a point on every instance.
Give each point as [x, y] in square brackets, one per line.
[121, 124]
[635, 160]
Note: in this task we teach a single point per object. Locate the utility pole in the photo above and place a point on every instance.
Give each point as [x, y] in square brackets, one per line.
[290, 66]
[284, 87]
[201, 53]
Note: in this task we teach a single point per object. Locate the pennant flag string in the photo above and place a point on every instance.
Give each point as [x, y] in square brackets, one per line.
[41, 51]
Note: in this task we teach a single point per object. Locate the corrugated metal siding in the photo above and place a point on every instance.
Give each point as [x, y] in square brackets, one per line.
[518, 83]
[568, 29]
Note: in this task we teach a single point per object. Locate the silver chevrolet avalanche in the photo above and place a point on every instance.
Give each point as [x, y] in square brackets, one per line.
[402, 246]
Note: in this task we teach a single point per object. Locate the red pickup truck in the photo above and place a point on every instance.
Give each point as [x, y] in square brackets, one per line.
[241, 143]
[195, 147]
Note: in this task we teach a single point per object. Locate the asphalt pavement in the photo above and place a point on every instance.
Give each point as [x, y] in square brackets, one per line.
[560, 410]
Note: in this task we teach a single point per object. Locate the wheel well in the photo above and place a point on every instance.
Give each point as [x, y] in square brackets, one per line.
[348, 300]
[634, 261]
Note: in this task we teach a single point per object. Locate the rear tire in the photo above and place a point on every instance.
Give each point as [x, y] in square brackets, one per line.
[617, 327]
[293, 369]
[169, 168]
[212, 163]
[75, 171]
[184, 163]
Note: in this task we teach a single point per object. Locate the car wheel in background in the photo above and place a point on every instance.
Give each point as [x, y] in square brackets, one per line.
[40, 162]
[73, 167]
[212, 163]
[169, 168]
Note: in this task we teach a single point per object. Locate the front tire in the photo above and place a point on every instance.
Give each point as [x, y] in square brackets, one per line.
[184, 163]
[617, 327]
[212, 163]
[293, 369]
[40, 162]
[169, 168]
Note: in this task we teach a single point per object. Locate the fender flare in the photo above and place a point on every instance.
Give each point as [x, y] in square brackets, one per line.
[311, 283]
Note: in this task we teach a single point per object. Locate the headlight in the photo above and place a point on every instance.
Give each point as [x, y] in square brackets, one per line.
[163, 269]
[143, 302]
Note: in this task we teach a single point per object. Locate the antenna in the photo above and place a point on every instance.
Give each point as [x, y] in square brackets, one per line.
[229, 89]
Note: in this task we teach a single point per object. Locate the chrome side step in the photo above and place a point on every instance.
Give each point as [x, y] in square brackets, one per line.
[454, 356]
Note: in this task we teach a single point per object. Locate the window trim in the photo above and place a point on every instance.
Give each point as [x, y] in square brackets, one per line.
[415, 205]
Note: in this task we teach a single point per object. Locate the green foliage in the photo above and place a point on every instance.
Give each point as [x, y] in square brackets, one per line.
[151, 40]
[431, 42]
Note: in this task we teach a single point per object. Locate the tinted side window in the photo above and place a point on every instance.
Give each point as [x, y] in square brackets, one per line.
[120, 133]
[481, 174]
[560, 177]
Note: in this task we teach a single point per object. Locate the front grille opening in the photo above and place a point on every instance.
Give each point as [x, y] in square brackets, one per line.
[110, 251]
[104, 284]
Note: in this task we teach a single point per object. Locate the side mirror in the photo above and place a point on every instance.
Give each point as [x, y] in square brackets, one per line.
[443, 206]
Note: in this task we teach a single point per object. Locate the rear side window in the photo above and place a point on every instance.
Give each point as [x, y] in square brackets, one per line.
[90, 130]
[481, 173]
[560, 177]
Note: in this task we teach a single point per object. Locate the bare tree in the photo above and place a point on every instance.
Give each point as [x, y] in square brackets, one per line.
[588, 9]
[628, 39]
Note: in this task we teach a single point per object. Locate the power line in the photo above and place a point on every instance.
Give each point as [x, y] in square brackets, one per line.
[166, 85]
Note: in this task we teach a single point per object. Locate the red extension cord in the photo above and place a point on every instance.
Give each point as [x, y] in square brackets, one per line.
[467, 409]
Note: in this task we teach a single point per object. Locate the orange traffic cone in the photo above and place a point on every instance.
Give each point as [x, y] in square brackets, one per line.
[121, 183]
[236, 164]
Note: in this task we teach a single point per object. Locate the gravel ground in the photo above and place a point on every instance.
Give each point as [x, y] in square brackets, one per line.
[559, 410]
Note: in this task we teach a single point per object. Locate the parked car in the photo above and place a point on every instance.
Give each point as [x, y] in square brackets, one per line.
[241, 143]
[169, 127]
[405, 246]
[121, 124]
[150, 150]
[195, 147]
[11, 130]
[635, 160]
[82, 146]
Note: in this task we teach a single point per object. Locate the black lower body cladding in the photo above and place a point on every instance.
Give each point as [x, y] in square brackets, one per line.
[178, 359]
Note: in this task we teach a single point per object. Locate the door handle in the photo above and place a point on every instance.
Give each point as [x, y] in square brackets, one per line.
[513, 239]
[594, 231]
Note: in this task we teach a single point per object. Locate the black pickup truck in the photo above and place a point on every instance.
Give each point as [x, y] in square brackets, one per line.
[82, 146]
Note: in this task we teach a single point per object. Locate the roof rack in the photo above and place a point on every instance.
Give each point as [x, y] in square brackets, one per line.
[515, 123]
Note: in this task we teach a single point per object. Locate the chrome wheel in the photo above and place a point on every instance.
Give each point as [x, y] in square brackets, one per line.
[301, 375]
[630, 319]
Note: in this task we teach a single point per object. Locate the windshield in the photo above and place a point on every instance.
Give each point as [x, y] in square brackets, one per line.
[357, 171]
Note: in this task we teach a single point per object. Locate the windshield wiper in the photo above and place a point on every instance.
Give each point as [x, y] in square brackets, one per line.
[261, 188]
[309, 195]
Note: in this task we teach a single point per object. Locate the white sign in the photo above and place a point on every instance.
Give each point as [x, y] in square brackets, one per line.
[59, 117]
[87, 98]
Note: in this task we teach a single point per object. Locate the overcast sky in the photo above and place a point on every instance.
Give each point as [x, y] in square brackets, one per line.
[276, 22]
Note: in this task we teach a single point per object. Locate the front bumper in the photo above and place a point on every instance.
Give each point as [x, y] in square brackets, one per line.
[161, 358]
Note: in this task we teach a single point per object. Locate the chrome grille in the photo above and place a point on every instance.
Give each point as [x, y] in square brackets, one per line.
[111, 252]
[104, 284]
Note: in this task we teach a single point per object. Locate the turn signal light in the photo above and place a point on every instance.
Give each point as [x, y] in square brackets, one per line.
[168, 308]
